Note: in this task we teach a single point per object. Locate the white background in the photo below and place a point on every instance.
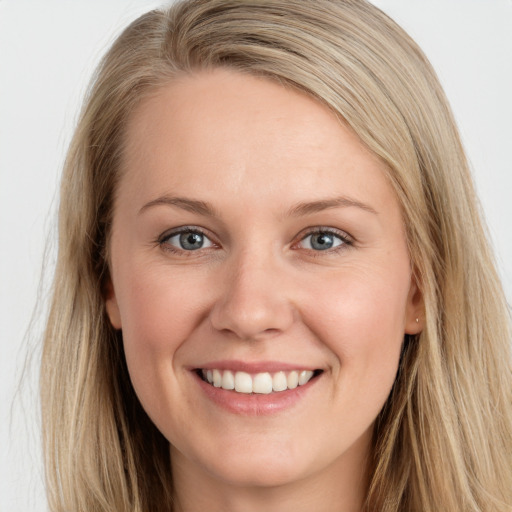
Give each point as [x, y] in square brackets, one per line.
[47, 52]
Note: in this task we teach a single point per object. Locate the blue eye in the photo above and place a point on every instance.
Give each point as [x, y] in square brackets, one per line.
[188, 240]
[322, 241]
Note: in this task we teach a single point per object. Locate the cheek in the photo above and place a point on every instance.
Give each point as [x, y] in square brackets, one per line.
[159, 311]
[157, 307]
[158, 314]
[360, 314]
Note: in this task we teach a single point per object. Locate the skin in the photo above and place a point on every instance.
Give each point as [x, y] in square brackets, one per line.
[257, 291]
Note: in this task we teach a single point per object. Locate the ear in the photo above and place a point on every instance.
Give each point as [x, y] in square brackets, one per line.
[111, 304]
[415, 310]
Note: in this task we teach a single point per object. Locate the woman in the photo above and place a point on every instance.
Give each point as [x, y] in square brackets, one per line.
[274, 291]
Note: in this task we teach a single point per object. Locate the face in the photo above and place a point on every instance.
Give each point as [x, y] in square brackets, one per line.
[257, 244]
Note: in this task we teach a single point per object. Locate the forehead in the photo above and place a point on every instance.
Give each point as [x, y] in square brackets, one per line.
[223, 131]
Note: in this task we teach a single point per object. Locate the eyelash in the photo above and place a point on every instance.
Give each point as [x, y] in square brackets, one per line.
[165, 245]
[346, 240]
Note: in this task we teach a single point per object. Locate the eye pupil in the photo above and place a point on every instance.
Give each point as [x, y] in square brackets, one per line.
[322, 241]
[191, 241]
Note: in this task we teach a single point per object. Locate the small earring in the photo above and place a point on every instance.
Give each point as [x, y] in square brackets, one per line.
[417, 320]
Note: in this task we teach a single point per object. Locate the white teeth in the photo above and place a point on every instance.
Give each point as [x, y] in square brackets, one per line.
[243, 382]
[304, 376]
[292, 380]
[228, 380]
[279, 382]
[217, 378]
[262, 383]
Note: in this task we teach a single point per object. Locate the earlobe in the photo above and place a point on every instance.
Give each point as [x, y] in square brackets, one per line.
[111, 305]
[414, 315]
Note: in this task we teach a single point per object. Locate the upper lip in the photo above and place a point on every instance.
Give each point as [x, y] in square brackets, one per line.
[254, 367]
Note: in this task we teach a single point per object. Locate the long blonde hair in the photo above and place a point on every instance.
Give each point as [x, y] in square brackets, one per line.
[443, 441]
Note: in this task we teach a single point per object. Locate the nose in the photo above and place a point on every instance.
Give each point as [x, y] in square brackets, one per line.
[255, 299]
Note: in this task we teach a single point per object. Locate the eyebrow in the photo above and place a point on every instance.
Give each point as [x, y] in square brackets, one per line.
[298, 210]
[308, 208]
[190, 205]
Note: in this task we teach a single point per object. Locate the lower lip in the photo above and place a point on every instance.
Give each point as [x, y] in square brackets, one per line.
[255, 404]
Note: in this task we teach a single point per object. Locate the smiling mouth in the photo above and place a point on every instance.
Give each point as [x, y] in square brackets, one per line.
[259, 383]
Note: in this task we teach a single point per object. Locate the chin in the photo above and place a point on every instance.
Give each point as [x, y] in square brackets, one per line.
[255, 464]
[258, 472]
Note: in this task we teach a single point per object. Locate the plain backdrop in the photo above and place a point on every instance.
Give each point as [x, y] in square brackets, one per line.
[47, 53]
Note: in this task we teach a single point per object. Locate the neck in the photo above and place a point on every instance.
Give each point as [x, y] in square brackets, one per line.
[340, 487]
